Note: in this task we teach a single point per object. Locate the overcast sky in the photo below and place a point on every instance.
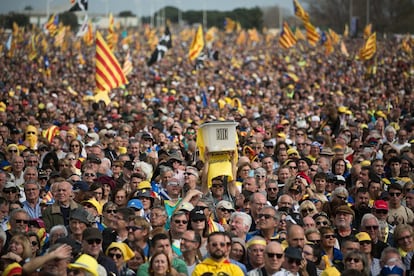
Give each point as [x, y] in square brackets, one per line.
[140, 7]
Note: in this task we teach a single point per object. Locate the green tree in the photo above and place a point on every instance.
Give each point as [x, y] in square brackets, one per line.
[126, 14]
[6, 21]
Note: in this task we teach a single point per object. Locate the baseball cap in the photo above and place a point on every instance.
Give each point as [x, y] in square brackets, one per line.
[225, 204]
[197, 213]
[135, 203]
[344, 209]
[363, 236]
[293, 253]
[380, 204]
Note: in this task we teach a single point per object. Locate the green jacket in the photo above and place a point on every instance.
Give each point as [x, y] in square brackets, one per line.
[52, 215]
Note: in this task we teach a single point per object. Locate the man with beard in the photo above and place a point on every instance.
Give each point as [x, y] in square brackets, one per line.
[342, 222]
[217, 263]
[361, 206]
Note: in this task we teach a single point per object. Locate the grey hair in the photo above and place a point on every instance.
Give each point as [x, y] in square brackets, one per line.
[59, 227]
[368, 216]
[340, 190]
[164, 169]
[390, 128]
[247, 220]
[145, 168]
[18, 210]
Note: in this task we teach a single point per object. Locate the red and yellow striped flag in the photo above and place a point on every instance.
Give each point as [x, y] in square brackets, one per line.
[311, 34]
[111, 33]
[370, 48]
[109, 74]
[300, 12]
[88, 37]
[197, 45]
[286, 39]
[334, 36]
[127, 67]
[367, 31]
[60, 36]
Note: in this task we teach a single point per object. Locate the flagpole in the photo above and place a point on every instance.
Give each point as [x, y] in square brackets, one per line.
[350, 13]
[367, 12]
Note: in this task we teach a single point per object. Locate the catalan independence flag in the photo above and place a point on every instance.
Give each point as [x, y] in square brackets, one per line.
[109, 73]
[286, 39]
[197, 45]
[311, 34]
[300, 12]
[370, 48]
[52, 24]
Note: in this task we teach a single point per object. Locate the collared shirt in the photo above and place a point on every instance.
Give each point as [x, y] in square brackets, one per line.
[35, 212]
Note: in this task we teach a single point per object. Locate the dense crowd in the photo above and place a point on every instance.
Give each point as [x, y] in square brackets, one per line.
[320, 181]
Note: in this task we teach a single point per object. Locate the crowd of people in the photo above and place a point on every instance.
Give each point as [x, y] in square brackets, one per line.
[320, 181]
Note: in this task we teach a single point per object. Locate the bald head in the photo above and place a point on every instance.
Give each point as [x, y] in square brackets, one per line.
[295, 236]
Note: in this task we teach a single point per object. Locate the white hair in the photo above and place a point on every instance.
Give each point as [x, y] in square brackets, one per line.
[247, 220]
[145, 168]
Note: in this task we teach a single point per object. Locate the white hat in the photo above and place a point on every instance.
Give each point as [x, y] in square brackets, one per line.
[83, 127]
[315, 118]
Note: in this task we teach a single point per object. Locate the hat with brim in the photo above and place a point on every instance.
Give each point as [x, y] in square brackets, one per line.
[197, 213]
[344, 209]
[293, 253]
[363, 236]
[225, 204]
[326, 151]
[127, 252]
[87, 263]
[95, 204]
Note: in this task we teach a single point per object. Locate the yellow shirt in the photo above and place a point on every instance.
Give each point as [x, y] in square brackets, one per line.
[217, 268]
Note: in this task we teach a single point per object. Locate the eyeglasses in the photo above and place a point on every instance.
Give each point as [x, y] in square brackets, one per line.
[395, 194]
[266, 216]
[177, 221]
[187, 240]
[189, 173]
[111, 211]
[329, 236]
[269, 147]
[34, 243]
[22, 221]
[365, 242]
[75, 146]
[260, 176]
[322, 223]
[12, 150]
[198, 220]
[9, 191]
[31, 132]
[226, 210]
[272, 189]
[310, 210]
[355, 260]
[404, 238]
[218, 186]
[133, 228]
[112, 255]
[272, 255]
[190, 132]
[31, 190]
[294, 261]
[89, 174]
[92, 241]
[371, 227]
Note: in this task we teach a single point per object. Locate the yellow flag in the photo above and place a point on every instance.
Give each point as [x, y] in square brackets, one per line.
[334, 36]
[346, 31]
[344, 50]
[367, 31]
[299, 35]
[230, 25]
[197, 45]
[370, 48]
[241, 39]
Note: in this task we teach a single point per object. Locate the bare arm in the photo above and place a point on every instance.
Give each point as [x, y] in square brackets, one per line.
[232, 188]
[204, 174]
[62, 252]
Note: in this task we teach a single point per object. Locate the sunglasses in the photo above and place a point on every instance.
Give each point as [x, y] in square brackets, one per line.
[272, 189]
[266, 216]
[322, 223]
[197, 220]
[294, 261]
[31, 132]
[92, 241]
[217, 186]
[112, 255]
[12, 150]
[178, 221]
[371, 227]
[381, 211]
[309, 210]
[10, 191]
[260, 176]
[329, 236]
[355, 260]
[34, 243]
[314, 241]
[365, 242]
[74, 146]
[111, 211]
[395, 194]
[89, 174]
[226, 210]
[341, 197]
[22, 221]
[272, 255]
[293, 167]
[133, 228]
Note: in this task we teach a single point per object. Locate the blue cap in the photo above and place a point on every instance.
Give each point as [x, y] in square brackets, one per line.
[135, 203]
[80, 186]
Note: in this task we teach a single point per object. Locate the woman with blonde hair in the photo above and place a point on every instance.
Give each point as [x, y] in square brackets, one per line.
[307, 208]
[19, 251]
[404, 242]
